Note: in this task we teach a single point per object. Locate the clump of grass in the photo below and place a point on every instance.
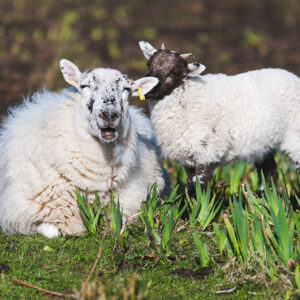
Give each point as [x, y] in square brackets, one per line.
[204, 208]
[266, 232]
[254, 239]
[231, 176]
[95, 214]
[90, 212]
[223, 242]
[160, 220]
[202, 249]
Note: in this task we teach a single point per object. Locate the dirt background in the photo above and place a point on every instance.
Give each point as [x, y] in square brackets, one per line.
[227, 36]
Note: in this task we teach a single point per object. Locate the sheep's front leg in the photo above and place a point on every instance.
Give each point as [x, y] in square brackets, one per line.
[190, 172]
[204, 173]
[269, 168]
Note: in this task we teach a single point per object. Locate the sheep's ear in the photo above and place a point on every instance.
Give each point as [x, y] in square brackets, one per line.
[71, 73]
[195, 68]
[147, 49]
[146, 84]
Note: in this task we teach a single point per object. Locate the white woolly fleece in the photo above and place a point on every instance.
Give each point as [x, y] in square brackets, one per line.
[44, 155]
[218, 118]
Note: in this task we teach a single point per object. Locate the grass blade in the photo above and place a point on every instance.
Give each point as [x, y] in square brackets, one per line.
[203, 251]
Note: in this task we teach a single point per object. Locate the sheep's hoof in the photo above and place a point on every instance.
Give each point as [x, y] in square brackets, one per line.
[48, 230]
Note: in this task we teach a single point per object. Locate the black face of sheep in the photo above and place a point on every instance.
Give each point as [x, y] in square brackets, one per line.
[170, 67]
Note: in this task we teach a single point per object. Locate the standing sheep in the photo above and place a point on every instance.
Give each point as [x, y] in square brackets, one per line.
[55, 142]
[215, 119]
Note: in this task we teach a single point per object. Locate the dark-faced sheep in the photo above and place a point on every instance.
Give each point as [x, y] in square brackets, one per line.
[205, 121]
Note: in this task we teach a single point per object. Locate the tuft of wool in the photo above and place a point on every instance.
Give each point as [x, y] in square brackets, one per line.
[45, 154]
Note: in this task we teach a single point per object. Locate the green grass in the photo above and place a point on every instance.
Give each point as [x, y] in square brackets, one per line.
[178, 248]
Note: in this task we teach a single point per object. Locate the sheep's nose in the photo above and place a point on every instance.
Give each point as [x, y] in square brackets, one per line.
[103, 115]
[114, 116]
[108, 116]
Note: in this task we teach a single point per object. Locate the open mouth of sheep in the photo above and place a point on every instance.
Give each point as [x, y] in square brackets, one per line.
[108, 133]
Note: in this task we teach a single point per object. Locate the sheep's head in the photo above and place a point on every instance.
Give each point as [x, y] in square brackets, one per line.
[170, 67]
[104, 97]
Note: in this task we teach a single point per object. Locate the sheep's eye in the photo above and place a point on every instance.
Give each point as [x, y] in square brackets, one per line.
[84, 86]
[127, 89]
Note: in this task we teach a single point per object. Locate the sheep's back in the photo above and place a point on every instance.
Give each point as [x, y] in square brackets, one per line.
[220, 117]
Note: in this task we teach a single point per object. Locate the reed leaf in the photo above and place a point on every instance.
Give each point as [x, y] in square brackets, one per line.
[202, 249]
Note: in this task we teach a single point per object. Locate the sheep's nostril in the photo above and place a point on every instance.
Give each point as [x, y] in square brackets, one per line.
[114, 116]
[103, 115]
[108, 117]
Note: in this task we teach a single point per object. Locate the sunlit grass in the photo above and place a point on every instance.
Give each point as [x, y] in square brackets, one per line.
[237, 234]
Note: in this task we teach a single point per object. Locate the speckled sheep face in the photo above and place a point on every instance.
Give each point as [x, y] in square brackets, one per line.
[169, 67]
[105, 94]
[104, 97]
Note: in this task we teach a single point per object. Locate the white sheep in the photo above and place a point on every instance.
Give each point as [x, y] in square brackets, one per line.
[205, 121]
[53, 143]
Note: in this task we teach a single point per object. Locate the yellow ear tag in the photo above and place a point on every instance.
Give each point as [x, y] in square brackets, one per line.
[141, 95]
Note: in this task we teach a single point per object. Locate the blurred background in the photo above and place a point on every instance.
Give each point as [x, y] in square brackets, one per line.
[227, 36]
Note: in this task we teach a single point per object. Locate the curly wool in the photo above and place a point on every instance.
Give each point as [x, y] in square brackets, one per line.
[218, 118]
[44, 155]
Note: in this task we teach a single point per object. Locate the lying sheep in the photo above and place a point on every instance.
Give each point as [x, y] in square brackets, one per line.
[214, 119]
[53, 143]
